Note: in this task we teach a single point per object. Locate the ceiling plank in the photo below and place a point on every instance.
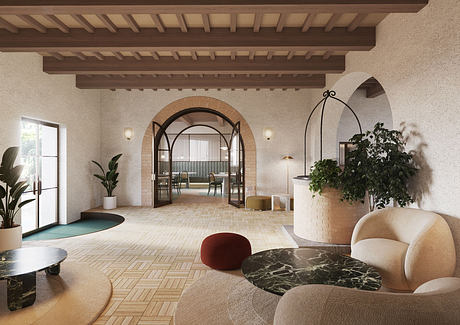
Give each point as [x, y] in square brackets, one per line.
[33, 23]
[158, 23]
[327, 55]
[39, 7]
[57, 22]
[84, 23]
[98, 56]
[8, 26]
[194, 55]
[108, 23]
[291, 39]
[210, 82]
[136, 55]
[131, 22]
[155, 55]
[182, 23]
[356, 21]
[332, 21]
[187, 65]
[206, 23]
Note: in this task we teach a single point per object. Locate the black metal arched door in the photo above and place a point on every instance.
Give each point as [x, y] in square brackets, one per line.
[236, 190]
[162, 167]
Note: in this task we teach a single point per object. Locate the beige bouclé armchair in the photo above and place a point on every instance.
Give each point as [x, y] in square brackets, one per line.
[407, 246]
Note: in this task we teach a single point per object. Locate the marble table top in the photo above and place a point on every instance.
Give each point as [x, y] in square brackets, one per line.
[31, 259]
[278, 270]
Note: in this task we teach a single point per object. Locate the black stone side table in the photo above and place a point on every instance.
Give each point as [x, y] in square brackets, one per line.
[19, 267]
[278, 270]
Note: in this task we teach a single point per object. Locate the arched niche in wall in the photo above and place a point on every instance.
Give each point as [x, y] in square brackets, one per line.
[370, 103]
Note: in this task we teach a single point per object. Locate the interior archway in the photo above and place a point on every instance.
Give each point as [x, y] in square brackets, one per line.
[181, 107]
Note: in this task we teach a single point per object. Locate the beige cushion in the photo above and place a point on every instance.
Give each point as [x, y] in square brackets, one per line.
[430, 252]
[439, 285]
[387, 256]
[325, 305]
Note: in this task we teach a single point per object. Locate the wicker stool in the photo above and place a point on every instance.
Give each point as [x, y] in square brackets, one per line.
[258, 202]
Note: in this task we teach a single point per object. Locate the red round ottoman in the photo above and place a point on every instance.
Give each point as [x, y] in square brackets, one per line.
[225, 251]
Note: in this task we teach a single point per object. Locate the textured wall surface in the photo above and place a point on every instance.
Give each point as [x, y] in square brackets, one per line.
[284, 111]
[25, 91]
[417, 60]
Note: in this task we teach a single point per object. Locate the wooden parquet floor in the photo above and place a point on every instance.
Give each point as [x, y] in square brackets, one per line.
[155, 254]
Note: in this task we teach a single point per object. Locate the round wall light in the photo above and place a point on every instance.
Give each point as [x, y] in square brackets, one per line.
[268, 133]
[128, 133]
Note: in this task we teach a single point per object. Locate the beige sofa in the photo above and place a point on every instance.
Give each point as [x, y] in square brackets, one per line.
[436, 302]
[407, 246]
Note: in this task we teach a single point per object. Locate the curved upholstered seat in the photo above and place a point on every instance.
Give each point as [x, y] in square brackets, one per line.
[407, 246]
[225, 298]
[436, 302]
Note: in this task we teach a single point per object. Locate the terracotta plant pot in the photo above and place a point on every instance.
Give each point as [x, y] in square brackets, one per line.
[110, 202]
[10, 238]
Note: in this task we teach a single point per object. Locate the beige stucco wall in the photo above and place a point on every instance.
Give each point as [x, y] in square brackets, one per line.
[284, 111]
[417, 60]
[26, 91]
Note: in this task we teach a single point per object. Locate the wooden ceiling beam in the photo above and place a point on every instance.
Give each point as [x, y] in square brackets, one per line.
[131, 22]
[84, 23]
[33, 23]
[206, 23]
[210, 82]
[57, 56]
[108, 23]
[308, 22]
[118, 55]
[158, 23]
[331, 22]
[40, 7]
[356, 21]
[233, 22]
[8, 26]
[257, 22]
[187, 65]
[182, 23]
[57, 22]
[79, 55]
[290, 39]
[281, 22]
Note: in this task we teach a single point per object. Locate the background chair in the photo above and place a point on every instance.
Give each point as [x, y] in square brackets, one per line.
[407, 246]
[184, 178]
[212, 181]
[176, 183]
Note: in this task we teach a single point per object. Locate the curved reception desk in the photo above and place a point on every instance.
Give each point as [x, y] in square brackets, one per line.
[324, 218]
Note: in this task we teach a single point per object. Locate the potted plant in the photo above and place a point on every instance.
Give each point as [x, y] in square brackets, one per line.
[109, 180]
[10, 200]
[378, 168]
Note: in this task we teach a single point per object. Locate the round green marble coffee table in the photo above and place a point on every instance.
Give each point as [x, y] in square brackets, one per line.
[278, 270]
[19, 267]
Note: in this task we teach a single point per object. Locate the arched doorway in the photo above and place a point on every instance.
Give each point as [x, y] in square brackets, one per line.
[177, 109]
[200, 156]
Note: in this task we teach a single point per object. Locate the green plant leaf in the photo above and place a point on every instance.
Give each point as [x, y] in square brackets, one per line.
[24, 203]
[99, 165]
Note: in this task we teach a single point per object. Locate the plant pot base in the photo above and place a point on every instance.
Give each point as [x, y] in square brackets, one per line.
[110, 202]
[10, 238]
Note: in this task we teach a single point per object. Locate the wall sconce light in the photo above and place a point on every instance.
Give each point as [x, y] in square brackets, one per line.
[268, 133]
[128, 133]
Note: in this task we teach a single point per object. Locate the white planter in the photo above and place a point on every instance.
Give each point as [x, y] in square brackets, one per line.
[110, 202]
[10, 238]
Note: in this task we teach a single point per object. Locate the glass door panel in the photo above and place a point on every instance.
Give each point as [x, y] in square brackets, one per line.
[236, 168]
[162, 167]
[39, 154]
